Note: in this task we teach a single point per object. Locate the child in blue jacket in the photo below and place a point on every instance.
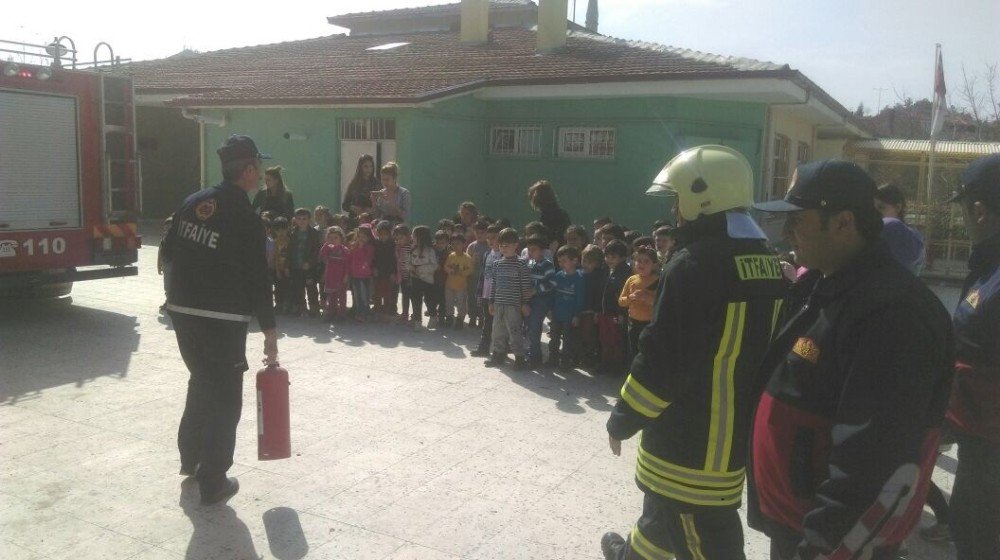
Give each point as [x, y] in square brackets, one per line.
[570, 303]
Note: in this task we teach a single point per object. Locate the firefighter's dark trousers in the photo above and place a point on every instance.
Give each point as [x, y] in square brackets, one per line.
[214, 351]
[975, 500]
[665, 531]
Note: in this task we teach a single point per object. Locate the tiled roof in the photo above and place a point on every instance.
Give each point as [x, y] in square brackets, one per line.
[435, 10]
[339, 69]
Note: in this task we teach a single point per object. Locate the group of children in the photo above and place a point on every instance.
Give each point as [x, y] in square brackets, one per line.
[598, 297]
[476, 272]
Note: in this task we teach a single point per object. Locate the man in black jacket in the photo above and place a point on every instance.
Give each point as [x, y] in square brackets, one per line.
[974, 411]
[690, 386]
[219, 280]
[846, 432]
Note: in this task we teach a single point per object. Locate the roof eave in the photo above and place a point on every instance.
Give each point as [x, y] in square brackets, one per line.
[854, 125]
[468, 87]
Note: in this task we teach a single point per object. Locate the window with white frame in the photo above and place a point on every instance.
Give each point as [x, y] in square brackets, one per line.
[515, 140]
[805, 153]
[779, 182]
[586, 142]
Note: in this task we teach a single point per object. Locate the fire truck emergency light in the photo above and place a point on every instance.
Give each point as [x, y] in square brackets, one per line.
[12, 69]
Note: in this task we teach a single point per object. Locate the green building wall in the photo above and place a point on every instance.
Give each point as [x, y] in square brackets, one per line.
[449, 164]
[648, 132]
[311, 167]
[443, 154]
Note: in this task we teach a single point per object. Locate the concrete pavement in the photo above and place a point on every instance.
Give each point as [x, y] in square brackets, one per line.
[403, 446]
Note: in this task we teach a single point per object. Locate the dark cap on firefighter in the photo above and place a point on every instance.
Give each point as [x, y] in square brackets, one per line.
[981, 182]
[830, 183]
[239, 146]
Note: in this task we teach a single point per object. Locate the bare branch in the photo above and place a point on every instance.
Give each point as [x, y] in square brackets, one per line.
[991, 90]
[973, 100]
[901, 97]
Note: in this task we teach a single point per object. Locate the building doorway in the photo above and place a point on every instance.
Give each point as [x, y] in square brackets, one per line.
[374, 136]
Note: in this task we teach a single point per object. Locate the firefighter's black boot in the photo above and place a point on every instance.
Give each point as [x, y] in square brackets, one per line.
[612, 545]
[520, 363]
[496, 360]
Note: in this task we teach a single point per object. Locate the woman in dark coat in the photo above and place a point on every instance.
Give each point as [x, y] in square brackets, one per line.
[276, 199]
[556, 220]
[358, 199]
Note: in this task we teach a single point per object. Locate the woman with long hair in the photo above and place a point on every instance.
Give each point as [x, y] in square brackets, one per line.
[276, 198]
[358, 198]
[543, 200]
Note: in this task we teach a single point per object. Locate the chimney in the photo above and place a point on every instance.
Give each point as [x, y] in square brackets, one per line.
[552, 25]
[592, 16]
[475, 25]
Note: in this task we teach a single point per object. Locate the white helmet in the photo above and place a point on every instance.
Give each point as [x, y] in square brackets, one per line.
[706, 180]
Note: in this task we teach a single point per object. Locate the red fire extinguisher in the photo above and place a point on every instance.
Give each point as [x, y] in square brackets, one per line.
[273, 427]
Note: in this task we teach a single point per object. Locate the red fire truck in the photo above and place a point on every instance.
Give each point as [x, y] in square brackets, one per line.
[69, 193]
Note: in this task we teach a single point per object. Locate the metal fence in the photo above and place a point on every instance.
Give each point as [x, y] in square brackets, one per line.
[945, 237]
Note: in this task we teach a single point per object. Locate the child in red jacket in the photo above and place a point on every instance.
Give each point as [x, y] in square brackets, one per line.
[334, 255]
[361, 259]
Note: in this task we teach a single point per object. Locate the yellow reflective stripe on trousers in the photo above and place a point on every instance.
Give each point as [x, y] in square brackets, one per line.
[775, 316]
[689, 477]
[720, 430]
[645, 548]
[642, 399]
[687, 494]
[691, 534]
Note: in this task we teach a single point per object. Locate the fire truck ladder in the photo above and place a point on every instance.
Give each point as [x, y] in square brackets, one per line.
[123, 197]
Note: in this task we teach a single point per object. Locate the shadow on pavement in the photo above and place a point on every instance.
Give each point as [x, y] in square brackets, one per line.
[568, 389]
[79, 344]
[285, 537]
[218, 531]
[449, 343]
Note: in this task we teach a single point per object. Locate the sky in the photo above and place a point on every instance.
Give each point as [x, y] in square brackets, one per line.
[850, 48]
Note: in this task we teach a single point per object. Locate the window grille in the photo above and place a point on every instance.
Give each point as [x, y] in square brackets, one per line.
[515, 140]
[368, 129]
[588, 143]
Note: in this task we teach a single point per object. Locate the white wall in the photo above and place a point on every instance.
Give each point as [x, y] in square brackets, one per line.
[830, 149]
[786, 121]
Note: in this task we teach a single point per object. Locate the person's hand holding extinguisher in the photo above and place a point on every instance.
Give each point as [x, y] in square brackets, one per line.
[271, 347]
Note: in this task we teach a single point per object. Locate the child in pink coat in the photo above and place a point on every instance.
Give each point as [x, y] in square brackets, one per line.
[335, 256]
[361, 259]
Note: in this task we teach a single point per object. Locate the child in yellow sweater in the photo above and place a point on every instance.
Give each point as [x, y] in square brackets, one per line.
[639, 294]
[458, 266]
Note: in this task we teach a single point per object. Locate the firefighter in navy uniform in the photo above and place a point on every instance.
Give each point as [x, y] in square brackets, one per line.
[846, 432]
[974, 411]
[216, 245]
[689, 387]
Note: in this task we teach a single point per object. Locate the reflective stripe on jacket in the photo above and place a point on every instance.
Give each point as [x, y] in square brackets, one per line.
[690, 386]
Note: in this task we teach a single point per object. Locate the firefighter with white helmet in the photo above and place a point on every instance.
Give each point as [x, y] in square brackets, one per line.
[690, 387]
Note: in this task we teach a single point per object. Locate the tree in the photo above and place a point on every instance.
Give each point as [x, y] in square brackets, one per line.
[860, 111]
[975, 116]
[973, 99]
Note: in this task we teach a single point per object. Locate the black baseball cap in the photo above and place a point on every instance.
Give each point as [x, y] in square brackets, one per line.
[981, 181]
[239, 146]
[830, 183]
